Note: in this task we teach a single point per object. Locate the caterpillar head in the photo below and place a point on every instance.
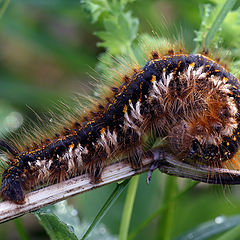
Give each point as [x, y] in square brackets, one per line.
[12, 187]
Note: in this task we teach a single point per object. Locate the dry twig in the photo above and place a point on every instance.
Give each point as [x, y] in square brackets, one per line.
[115, 172]
[57, 192]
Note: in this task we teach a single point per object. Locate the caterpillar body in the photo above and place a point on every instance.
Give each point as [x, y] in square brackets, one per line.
[189, 99]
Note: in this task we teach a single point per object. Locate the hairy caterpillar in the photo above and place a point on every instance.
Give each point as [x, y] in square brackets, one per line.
[188, 99]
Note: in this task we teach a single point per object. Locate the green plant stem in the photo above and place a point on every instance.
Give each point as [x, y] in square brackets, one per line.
[113, 197]
[21, 229]
[160, 210]
[218, 21]
[166, 220]
[4, 7]
[128, 207]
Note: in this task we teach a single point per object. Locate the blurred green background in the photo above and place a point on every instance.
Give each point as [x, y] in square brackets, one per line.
[47, 53]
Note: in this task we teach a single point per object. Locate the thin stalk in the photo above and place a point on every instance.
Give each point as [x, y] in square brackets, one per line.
[4, 7]
[159, 211]
[128, 207]
[167, 214]
[21, 229]
[113, 197]
[227, 7]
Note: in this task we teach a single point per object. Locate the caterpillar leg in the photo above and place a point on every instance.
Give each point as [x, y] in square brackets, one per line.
[158, 158]
[95, 170]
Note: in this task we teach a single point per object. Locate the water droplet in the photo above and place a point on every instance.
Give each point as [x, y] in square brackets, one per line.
[74, 212]
[190, 236]
[219, 219]
[102, 230]
[70, 227]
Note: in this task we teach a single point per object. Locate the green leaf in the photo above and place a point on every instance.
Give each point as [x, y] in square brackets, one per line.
[58, 227]
[95, 8]
[211, 228]
[231, 234]
[119, 34]
[61, 222]
[55, 228]
[105, 8]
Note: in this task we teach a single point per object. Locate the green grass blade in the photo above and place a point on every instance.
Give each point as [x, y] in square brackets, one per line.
[128, 207]
[211, 228]
[21, 229]
[218, 21]
[3, 7]
[112, 198]
[147, 221]
[166, 220]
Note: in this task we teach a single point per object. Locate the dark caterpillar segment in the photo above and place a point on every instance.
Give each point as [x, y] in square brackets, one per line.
[189, 99]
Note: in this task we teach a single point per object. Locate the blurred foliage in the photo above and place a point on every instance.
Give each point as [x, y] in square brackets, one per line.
[46, 50]
[61, 222]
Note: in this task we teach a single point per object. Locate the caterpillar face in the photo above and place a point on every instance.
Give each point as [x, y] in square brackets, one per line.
[190, 100]
[200, 105]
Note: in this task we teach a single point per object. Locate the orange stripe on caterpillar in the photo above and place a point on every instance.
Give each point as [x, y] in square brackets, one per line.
[190, 100]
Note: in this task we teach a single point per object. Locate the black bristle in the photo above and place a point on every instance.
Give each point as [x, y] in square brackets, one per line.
[155, 54]
[115, 90]
[205, 52]
[101, 107]
[126, 78]
[77, 124]
[12, 149]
